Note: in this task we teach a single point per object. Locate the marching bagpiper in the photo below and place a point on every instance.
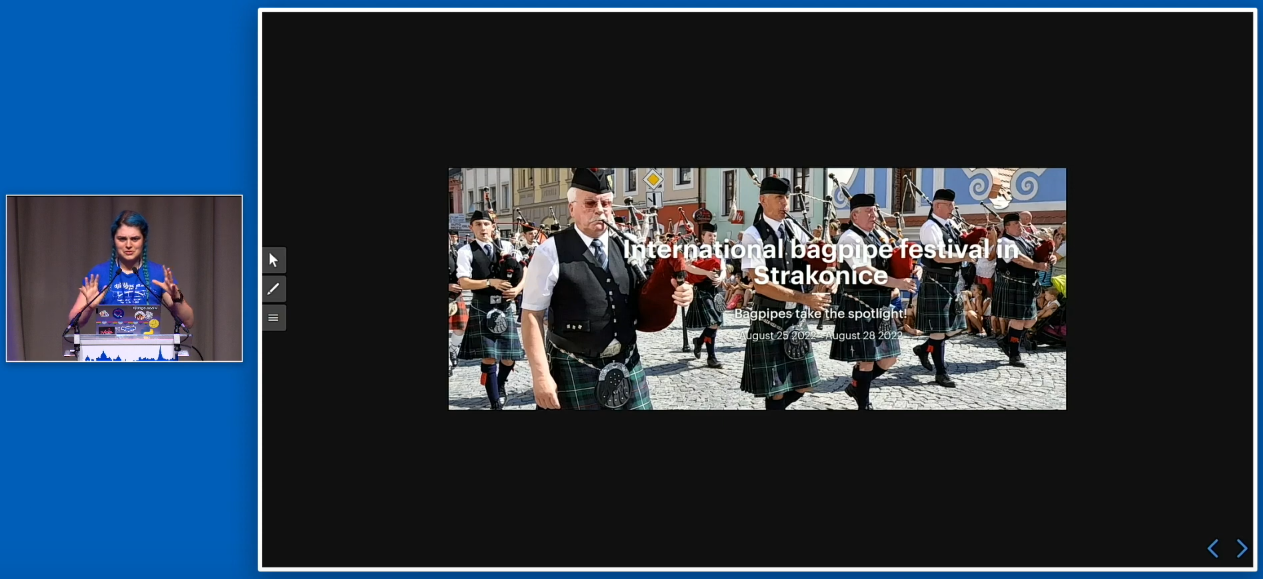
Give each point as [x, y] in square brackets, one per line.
[1017, 286]
[491, 269]
[705, 314]
[779, 364]
[457, 311]
[865, 332]
[940, 310]
[592, 292]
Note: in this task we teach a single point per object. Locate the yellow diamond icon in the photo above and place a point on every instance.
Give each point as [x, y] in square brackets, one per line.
[654, 178]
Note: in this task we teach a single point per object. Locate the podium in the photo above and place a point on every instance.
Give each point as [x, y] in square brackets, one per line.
[127, 348]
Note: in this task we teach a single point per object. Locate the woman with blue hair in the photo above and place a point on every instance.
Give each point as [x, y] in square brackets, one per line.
[139, 282]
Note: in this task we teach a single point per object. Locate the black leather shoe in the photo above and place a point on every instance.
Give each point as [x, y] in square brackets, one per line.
[697, 348]
[1016, 361]
[945, 381]
[923, 356]
[869, 407]
[714, 363]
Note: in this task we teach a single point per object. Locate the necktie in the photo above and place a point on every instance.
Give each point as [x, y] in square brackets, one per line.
[599, 253]
[487, 249]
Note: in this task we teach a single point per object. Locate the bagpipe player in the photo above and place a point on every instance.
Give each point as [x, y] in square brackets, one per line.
[779, 364]
[706, 314]
[592, 291]
[865, 332]
[491, 270]
[1017, 286]
[940, 309]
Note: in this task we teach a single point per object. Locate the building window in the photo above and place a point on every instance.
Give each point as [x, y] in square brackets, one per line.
[802, 178]
[683, 176]
[506, 200]
[472, 204]
[631, 180]
[730, 191]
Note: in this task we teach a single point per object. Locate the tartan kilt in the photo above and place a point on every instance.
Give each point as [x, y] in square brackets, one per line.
[936, 306]
[1014, 299]
[704, 312]
[767, 370]
[860, 333]
[576, 383]
[480, 343]
[458, 322]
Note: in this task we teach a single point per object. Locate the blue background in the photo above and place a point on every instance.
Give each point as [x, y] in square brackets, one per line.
[154, 476]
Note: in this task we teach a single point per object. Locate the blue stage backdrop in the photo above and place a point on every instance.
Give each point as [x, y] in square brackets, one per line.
[156, 476]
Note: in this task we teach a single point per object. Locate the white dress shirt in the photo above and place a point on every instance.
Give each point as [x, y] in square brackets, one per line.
[854, 254]
[542, 275]
[465, 256]
[932, 233]
[1008, 250]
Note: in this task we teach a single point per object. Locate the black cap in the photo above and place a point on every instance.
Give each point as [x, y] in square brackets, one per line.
[593, 180]
[619, 219]
[774, 185]
[863, 200]
[1012, 218]
[479, 215]
[709, 227]
[453, 232]
[945, 195]
[485, 188]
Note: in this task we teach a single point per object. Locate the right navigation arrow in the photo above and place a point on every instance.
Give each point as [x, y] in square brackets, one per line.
[1243, 548]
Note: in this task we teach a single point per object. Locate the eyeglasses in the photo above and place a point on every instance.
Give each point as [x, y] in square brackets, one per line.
[592, 203]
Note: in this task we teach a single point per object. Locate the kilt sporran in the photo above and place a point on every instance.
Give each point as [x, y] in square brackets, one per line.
[795, 338]
[613, 386]
[497, 321]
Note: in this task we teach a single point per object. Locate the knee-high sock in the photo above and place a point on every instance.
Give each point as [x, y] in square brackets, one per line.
[1014, 341]
[490, 383]
[877, 371]
[940, 366]
[504, 376]
[770, 403]
[708, 337]
[864, 380]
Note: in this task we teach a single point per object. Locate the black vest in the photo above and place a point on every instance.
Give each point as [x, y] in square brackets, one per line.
[780, 268]
[483, 267]
[878, 262]
[1014, 270]
[591, 307]
[951, 241]
[451, 266]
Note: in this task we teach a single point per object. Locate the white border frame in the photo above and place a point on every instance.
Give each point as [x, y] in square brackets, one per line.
[1253, 549]
[241, 198]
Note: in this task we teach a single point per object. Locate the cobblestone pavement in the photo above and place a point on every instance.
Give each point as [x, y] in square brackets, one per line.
[984, 380]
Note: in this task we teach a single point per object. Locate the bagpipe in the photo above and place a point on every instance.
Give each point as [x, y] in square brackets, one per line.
[902, 263]
[1043, 250]
[656, 306]
[507, 267]
[971, 234]
[820, 259]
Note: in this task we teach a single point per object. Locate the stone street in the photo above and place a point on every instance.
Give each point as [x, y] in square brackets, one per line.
[677, 380]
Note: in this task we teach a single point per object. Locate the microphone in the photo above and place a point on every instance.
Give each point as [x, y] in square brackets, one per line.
[178, 321]
[75, 322]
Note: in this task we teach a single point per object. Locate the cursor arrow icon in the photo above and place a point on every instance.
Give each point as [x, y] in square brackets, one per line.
[271, 260]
